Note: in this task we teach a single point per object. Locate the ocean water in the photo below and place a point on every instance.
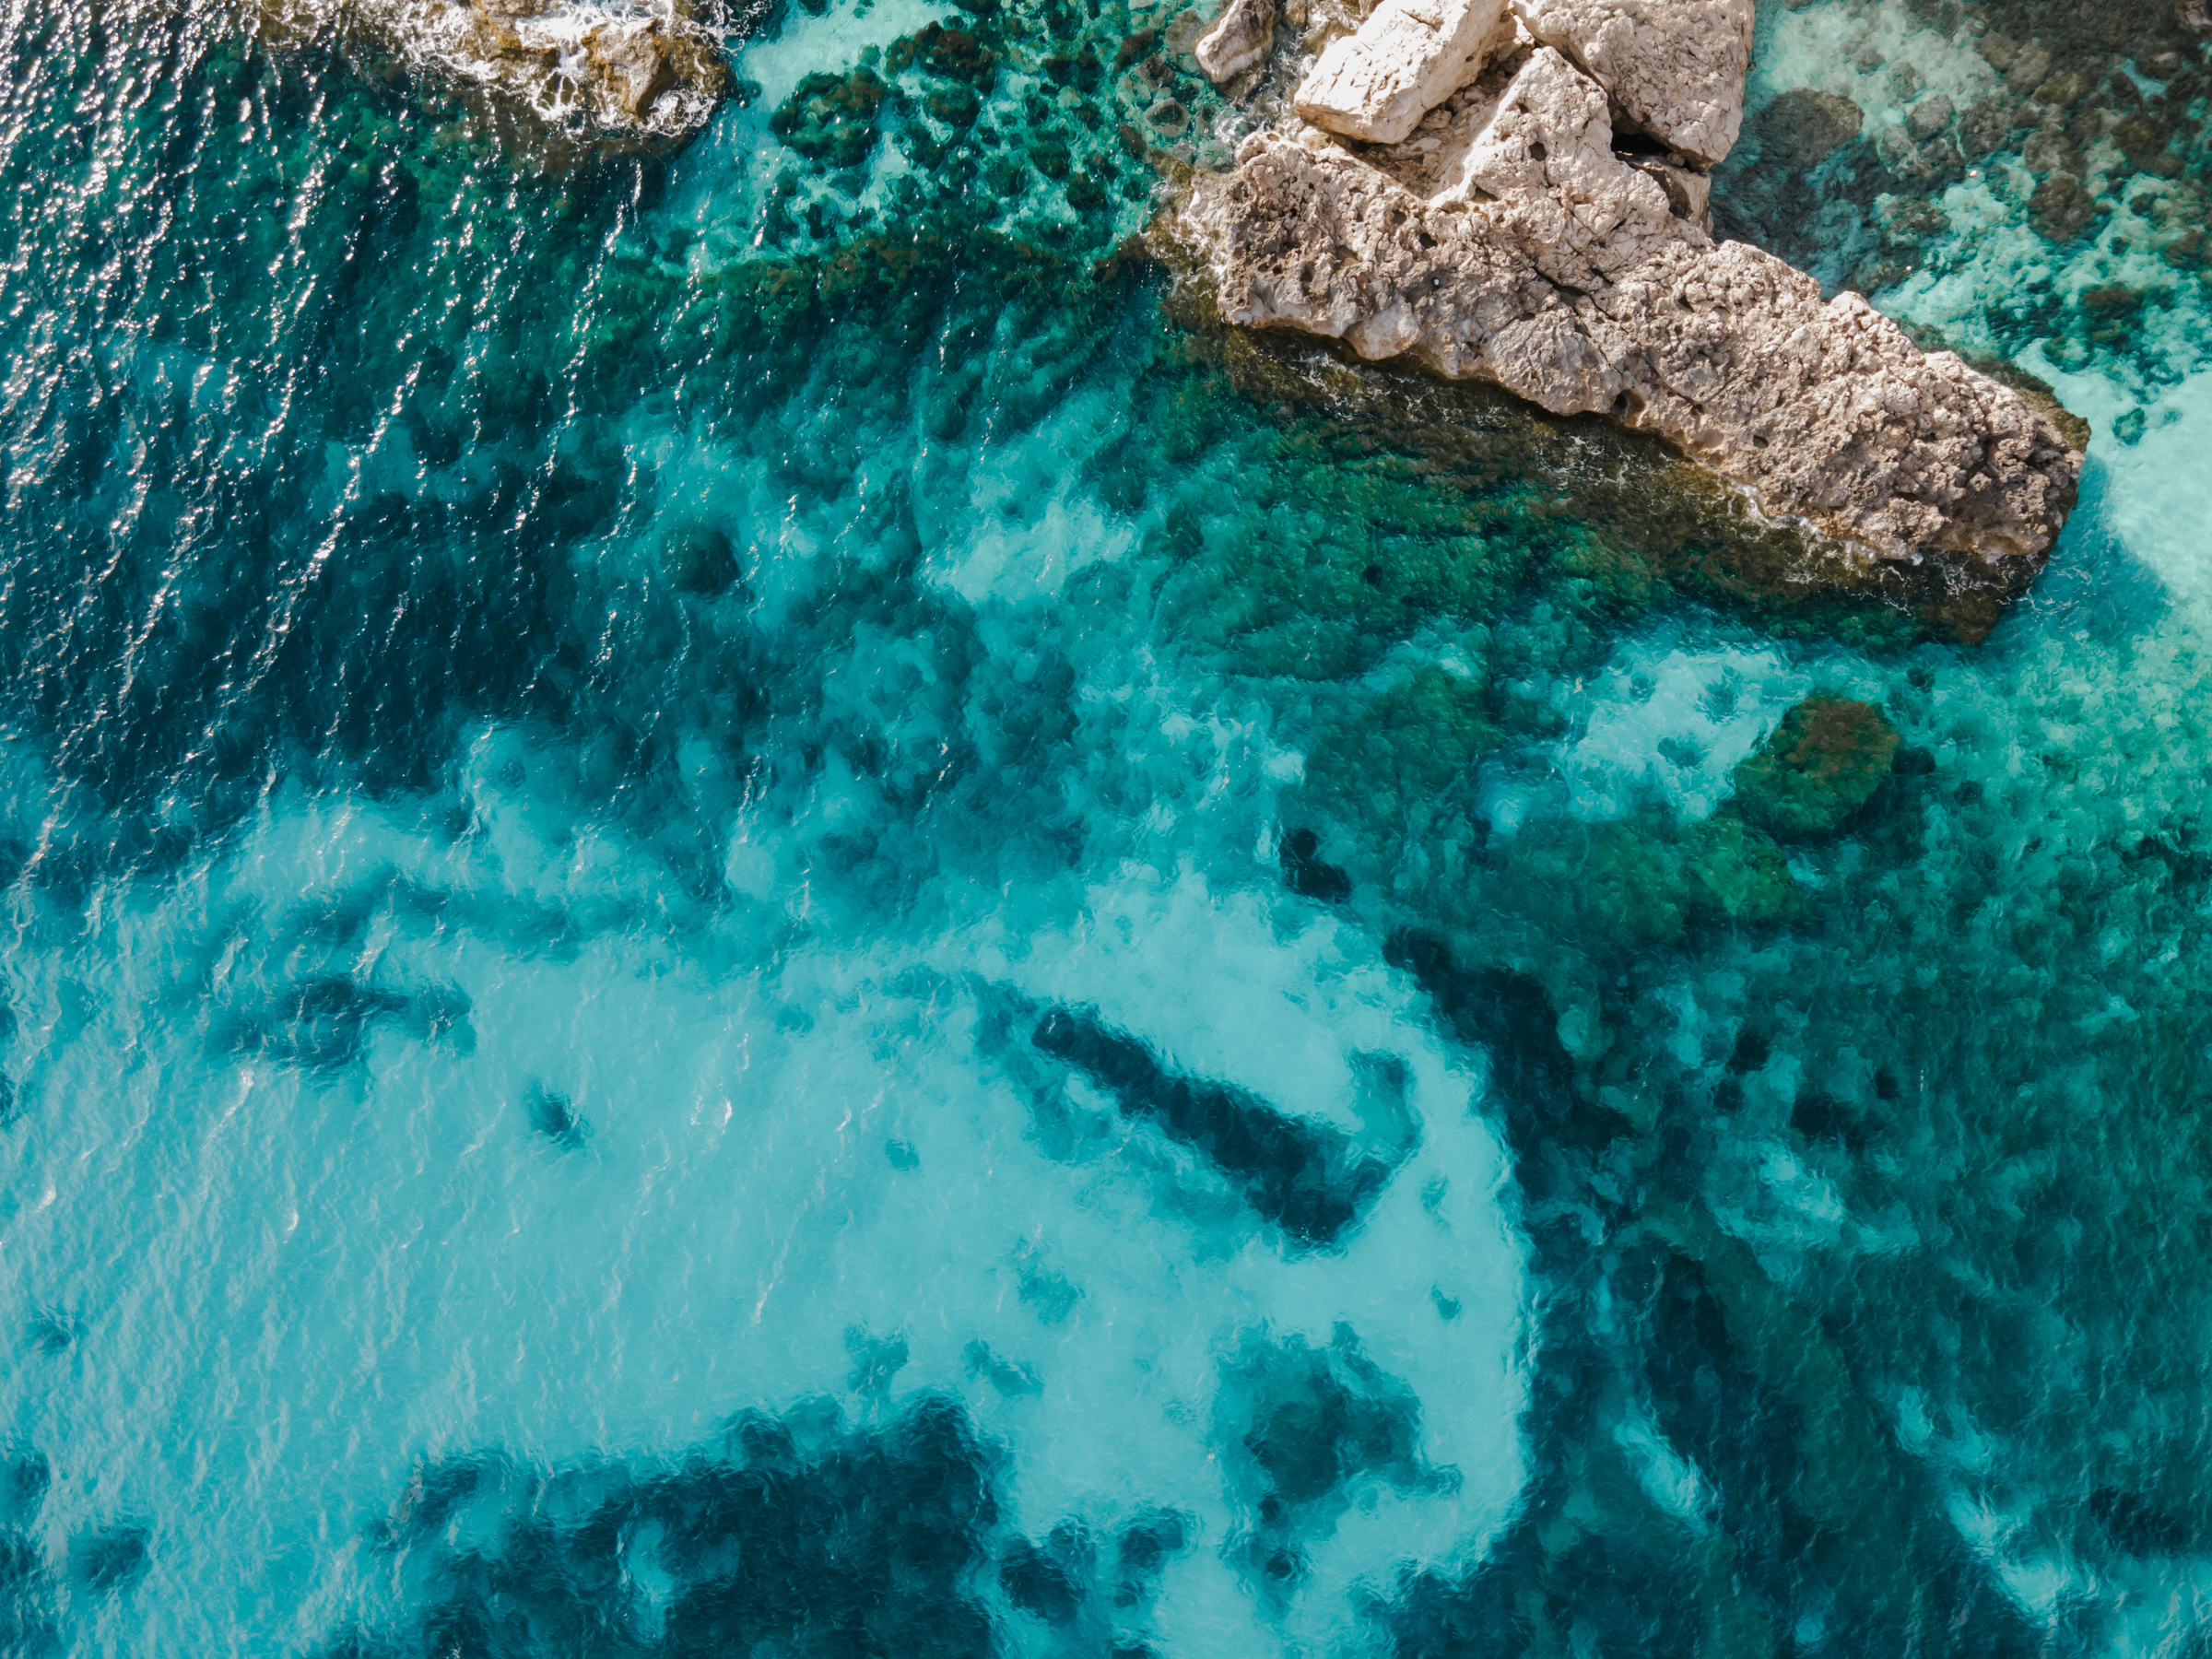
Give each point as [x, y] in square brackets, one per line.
[755, 908]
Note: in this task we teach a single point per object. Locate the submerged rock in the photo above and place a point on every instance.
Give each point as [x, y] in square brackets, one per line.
[1803, 127]
[875, 1533]
[1305, 1423]
[1406, 59]
[1821, 765]
[113, 1559]
[1525, 252]
[1307, 873]
[833, 118]
[1675, 71]
[1622, 885]
[1310, 1179]
[698, 558]
[2062, 208]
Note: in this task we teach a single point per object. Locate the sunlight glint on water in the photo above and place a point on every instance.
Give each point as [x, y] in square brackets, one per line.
[693, 970]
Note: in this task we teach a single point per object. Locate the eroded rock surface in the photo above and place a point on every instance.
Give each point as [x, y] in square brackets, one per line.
[1674, 68]
[1406, 59]
[1525, 252]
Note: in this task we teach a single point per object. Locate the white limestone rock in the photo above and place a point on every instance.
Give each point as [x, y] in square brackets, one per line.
[1404, 60]
[1548, 132]
[1238, 42]
[1674, 68]
[1547, 264]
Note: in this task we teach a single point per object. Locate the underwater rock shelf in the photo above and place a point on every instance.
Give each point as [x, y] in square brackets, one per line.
[1534, 213]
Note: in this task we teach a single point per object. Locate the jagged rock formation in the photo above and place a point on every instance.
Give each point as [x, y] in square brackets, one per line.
[1240, 40]
[643, 71]
[1404, 60]
[647, 73]
[1674, 70]
[1508, 241]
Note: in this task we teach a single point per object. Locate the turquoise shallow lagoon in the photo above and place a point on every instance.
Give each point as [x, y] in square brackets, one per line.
[752, 907]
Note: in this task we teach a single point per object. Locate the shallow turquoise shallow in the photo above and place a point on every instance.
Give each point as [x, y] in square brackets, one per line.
[752, 910]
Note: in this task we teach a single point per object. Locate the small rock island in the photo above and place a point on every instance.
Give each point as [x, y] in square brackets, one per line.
[1519, 195]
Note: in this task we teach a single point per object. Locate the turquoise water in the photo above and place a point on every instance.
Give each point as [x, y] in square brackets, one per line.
[755, 909]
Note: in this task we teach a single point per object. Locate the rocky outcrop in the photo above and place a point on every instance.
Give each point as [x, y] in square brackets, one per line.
[1674, 68]
[1406, 59]
[1238, 42]
[647, 73]
[1508, 242]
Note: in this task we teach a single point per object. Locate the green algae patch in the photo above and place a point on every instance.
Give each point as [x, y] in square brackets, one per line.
[1741, 873]
[1820, 765]
[1406, 746]
[780, 306]
[833, 118]
[945, 49]
[1626, 885]
[1328, 558]
[1007, 117]
[1611, 884]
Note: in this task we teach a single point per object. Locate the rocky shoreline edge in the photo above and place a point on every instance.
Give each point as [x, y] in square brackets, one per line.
[609, 74]
[1530, 210]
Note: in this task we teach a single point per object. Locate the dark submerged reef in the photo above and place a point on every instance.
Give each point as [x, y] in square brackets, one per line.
[27, 1609]
[1307, 1179]
[803, 1533]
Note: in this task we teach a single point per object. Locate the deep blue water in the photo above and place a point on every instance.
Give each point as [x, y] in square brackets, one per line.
[755, 909]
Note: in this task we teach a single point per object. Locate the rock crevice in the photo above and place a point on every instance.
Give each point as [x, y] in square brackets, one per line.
[1674, 70]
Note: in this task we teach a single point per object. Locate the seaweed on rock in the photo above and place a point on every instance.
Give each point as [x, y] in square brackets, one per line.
[1609, 516]
[1622, 885]
[1822, 763]
[1398, 752]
